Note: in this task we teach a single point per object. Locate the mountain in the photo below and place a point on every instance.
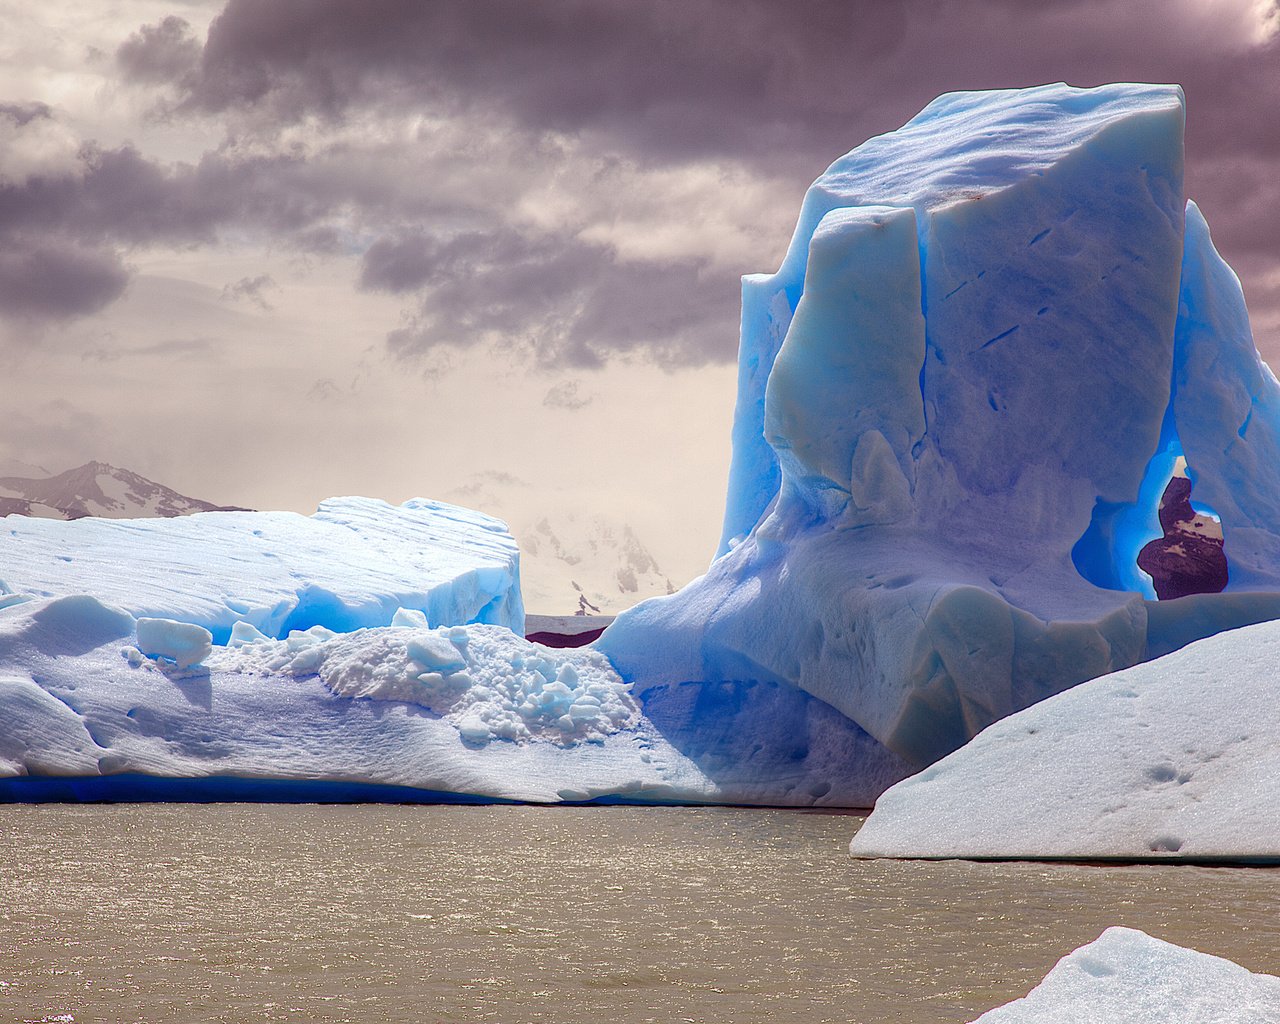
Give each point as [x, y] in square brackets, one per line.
[571, 561]
[588, 563]
[96, 489]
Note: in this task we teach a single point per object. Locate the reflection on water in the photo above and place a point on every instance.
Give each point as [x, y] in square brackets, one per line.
[376, 913]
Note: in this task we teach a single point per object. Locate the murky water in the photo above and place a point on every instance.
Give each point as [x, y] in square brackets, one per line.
[512, 914]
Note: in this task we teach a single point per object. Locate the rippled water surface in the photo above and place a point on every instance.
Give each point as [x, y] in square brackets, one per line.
[239, 912]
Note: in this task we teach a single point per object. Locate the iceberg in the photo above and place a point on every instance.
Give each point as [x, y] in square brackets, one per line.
[1127, 977]
[348, 566]
[995, 332]
[403, 712]
[1173, 760]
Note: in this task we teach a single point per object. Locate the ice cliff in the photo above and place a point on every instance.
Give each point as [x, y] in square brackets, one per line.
[960, 399]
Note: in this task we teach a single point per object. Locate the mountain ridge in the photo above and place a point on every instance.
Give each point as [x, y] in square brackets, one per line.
[98, 489]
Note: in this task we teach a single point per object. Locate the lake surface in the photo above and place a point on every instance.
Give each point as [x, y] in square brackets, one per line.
[367, 913]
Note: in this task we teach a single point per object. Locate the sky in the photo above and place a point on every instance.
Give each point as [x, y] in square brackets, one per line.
[490, 250]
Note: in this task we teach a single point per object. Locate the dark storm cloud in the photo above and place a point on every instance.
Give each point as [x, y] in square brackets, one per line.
[783, 87]
[398, 264]
[166, 52]
[562, 300]
[780, 87]
[50, 279]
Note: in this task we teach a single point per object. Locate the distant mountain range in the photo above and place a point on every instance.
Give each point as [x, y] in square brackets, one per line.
[571, 562]
[94, 489]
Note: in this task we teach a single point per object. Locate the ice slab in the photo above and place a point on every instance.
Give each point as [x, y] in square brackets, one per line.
[395, 712]
[960, 398]
[1175, 759]
[1127, 977]
[351, 565]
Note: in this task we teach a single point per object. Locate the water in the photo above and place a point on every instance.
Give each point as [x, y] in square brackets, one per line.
[233, 912]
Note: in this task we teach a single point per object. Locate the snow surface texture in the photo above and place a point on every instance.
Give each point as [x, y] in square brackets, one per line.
[349, 566]
[1127, 977]
[473, 711]
[960, 399]
[1176, 759]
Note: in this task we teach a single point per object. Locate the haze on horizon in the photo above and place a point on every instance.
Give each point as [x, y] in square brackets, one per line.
[489, 251]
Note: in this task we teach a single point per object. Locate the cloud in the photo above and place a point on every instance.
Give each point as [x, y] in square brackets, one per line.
[50, 279]
[165, 52]
[559, 178]
[564, 301]
[565, 395]
[778, 89]
[398, 264]
[250, 289]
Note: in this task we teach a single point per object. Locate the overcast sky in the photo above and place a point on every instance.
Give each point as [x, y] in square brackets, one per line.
[265, 252]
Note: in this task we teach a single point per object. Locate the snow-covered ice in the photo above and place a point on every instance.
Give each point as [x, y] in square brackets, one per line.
[960, 398]
[474, 711]
[486, 681]
[1127, 977]
[1175, 759]
[350, 565]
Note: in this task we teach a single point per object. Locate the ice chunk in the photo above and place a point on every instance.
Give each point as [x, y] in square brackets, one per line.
[410, 617]
[434, 652]
[352, 564]
[245, 633]
[958, 399]
[180, 642]
[1175, 759]
[1127, 977]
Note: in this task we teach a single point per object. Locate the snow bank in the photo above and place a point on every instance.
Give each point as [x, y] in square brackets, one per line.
[960, 398]
[1176, 759]
[349, 566]
[1127, 977]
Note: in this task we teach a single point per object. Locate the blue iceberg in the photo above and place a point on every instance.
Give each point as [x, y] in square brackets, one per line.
[959, 400]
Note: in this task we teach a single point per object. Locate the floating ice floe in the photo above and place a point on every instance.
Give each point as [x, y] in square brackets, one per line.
[1127, 977]
[1176, 759]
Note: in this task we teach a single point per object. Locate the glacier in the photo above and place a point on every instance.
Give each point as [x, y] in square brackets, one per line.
[1126, 976]
[1172, 760]
[960, 397]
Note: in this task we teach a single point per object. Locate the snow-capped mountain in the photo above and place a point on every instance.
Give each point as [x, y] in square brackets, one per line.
[606, 566]
[570, 561]
[95, 489]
